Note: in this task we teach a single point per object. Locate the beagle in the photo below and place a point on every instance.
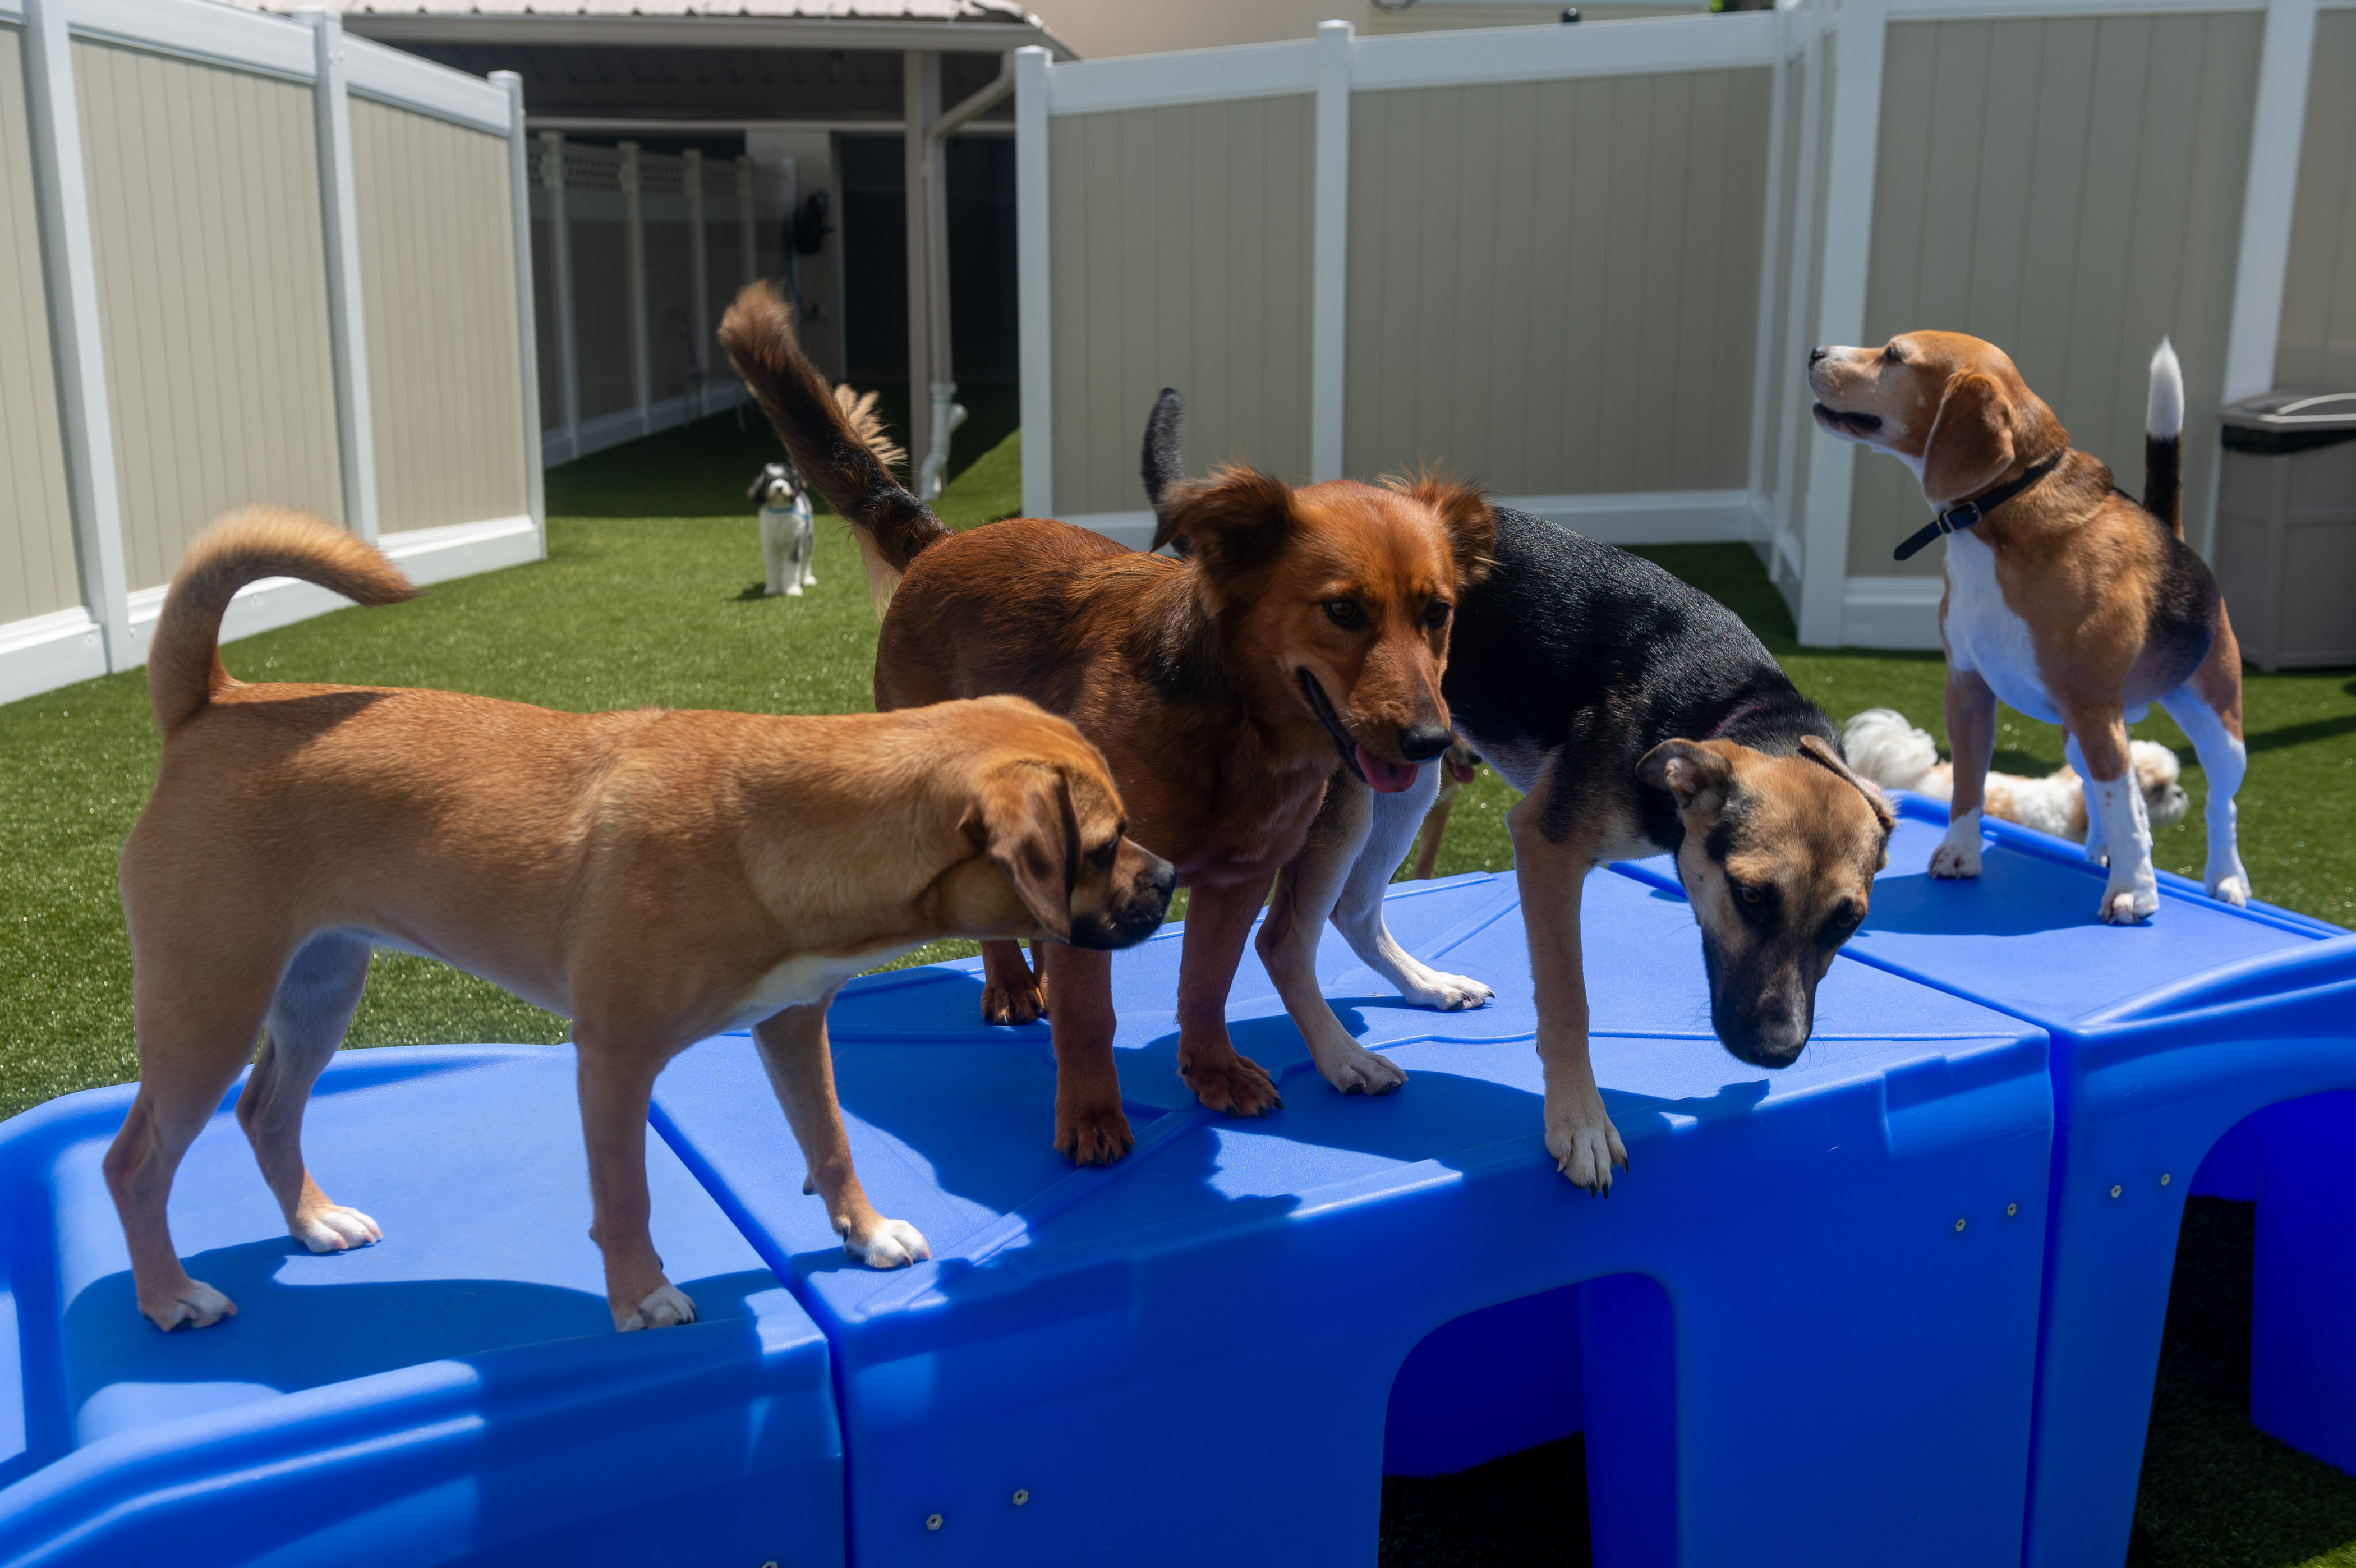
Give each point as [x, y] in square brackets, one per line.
[1300, 636]
[655, 876]
[2064, 598]
[1638, 715]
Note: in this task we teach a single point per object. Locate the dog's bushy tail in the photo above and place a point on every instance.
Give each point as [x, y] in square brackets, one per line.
[1884, 747]
[184, 667]
[833, 440]
[2163, 441]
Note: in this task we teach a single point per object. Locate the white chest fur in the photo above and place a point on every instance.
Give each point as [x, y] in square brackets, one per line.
[1984, 634]
[806, 978]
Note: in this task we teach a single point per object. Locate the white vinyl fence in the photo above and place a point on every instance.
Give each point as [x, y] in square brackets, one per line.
[247, 258]
[1585, 263]
[657, 243]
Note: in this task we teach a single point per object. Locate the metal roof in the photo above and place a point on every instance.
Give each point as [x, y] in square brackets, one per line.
[986, 24]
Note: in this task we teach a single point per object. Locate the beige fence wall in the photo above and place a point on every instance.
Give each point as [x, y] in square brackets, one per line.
[2070, 189]
[439, 289]
[1555, 285]
[2317, 344]
[204, 201]
[1180, 253]
[37, 569]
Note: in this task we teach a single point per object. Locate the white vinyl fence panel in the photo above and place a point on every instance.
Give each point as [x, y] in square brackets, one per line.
[187, 322]
[1585, 264]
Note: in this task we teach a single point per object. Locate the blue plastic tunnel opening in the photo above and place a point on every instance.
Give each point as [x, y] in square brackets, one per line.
[1596, 1358]
[2296, 1162]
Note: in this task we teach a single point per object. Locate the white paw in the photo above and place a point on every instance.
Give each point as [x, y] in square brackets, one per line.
[337, 1229]
[809, 579]
[794, 589]
[1957, 859]
[1361, 1071]
[666, 1308]
[895, 1244]
[1446, 992]
[2233, 889]
[1585, 1145]
[195, 1306]
[2125, 905]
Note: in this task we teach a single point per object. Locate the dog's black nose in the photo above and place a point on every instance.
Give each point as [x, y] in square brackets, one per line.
[1817, 353]
[1424, 742]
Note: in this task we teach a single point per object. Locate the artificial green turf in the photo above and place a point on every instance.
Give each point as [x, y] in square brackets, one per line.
[651, 594]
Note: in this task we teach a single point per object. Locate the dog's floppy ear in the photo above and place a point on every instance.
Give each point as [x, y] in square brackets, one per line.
[1236, 520]
[1028, 831]
[1698, 777]
[1465, 513]
[760, 483]
[1971, 441]
[1821, 750]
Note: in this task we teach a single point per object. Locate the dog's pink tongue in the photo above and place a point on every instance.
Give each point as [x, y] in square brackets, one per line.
[1390, 778]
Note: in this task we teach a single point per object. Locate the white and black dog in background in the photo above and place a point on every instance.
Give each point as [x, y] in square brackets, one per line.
[788, 537]
[1638, 715]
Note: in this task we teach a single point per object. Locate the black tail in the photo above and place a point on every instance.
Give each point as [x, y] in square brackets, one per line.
[2163, 442]
[893, 527]
[1161, 467]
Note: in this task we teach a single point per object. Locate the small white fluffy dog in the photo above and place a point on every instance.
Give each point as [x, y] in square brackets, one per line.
[1897, 756]
[788, 537]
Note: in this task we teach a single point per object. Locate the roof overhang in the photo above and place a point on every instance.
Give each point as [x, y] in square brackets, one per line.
[706, 32]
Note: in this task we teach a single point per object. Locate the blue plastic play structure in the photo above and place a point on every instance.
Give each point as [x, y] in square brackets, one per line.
[1855, 1312]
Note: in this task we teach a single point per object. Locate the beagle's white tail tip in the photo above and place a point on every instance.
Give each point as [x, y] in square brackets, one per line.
[2164, 419]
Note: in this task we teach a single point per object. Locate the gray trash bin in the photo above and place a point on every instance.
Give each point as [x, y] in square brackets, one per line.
[2286, 527]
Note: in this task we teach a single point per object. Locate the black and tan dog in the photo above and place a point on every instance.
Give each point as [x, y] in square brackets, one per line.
[1303, 636]
[655, 876]
[2064, 599]
[1638, 715]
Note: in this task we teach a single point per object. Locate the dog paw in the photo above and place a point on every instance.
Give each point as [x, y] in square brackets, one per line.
[335, 1229]
[1447, 993]
[1096, 1138]
[2233, 890]
[1956, 860]
[893, 1244]
[191, 1304]
[1585, 1146]
[1361, 1071]
[666, 1308]
[2129, 905]
[1013, 1004]
[1240, 1087]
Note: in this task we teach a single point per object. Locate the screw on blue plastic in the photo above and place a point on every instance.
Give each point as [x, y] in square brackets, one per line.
[1283, 1292]
[456, 1392]
[2171, 1039]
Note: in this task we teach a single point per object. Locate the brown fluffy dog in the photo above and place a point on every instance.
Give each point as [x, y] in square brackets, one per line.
[2064, 599]
[655, 876]
[1303, 631]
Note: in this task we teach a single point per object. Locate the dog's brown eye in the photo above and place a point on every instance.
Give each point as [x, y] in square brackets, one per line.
[1345, 614]
[1435, 614]
[1749, 895]
[1102, 854]
[1848, 917]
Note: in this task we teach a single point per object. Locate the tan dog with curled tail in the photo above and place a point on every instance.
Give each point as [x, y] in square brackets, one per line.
[655, 876]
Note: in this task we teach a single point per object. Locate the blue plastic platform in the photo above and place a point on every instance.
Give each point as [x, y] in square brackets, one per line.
[2166, 1036]
[455, 1394]
[1806, 1336]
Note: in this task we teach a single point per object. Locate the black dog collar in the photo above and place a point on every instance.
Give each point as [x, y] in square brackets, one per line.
[1963, 514]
